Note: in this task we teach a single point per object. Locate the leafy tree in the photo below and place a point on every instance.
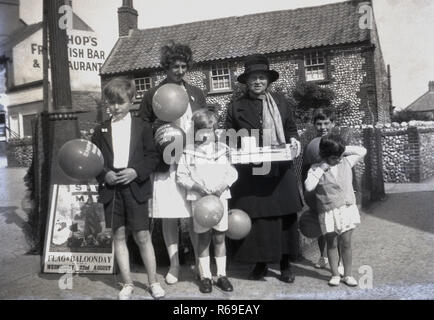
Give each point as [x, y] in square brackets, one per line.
[407, 115]
[310, 95]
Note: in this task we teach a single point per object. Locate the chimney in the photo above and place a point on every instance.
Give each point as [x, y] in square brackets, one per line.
[431, 86]
[127, 17]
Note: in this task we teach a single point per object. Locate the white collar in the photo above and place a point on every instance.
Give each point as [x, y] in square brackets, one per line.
[127, 118]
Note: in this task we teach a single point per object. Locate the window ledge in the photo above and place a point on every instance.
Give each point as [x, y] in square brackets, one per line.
[325, 81]
[220, 92]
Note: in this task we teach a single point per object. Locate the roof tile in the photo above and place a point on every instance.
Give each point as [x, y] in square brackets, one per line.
[268, 32]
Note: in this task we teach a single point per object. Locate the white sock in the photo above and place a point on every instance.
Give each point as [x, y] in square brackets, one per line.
[204, 268]
[221, 266]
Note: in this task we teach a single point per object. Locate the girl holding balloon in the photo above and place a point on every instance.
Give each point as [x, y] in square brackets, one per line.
[206, 173]
[176, 59]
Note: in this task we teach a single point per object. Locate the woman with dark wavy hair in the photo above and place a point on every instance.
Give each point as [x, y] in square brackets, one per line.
[176, 60]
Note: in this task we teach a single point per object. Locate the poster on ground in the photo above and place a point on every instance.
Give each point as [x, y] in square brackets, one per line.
[76, 239]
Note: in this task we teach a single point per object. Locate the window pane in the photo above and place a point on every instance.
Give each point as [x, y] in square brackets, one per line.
[142, 85]
[220, 77]
[314, 66]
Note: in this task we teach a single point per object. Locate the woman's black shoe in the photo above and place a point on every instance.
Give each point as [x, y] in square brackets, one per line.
[287, 276]
[224, 284]
[205, 285]
[259, 272]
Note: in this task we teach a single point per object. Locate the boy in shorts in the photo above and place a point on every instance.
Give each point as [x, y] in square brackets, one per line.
[130, 157]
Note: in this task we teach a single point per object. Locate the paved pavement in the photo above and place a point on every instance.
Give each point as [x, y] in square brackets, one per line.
[3, 158]
[395, 241]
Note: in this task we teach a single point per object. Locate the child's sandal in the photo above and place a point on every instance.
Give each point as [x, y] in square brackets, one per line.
[335, 281]
[350, 281]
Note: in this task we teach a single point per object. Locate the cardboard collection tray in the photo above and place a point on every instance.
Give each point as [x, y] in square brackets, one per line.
[263, 154]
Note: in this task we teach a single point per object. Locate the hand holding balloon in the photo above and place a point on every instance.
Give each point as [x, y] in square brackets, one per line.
[219, 189]
[201, 190]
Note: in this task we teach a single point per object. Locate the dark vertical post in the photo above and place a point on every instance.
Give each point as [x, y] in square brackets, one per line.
[373, 181]
[389, 89]
[59, 57]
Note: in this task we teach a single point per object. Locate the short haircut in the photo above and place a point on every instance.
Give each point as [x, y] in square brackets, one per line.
[175, 51]
[331, 145]
[117, 89]
[324, 114]
[204, 119]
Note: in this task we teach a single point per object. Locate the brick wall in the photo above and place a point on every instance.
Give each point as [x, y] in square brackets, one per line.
[426, 140]
[381, 81]
[19, 153]
[127, 20]
[407, 151]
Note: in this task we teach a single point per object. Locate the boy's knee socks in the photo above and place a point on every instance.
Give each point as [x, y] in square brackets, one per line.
[221, 266]
[204, 268]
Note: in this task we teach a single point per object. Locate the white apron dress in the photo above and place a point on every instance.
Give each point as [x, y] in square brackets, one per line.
[168, 198]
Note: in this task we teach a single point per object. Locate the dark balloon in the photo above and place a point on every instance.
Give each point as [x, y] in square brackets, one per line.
[80, 159]
[309, 224]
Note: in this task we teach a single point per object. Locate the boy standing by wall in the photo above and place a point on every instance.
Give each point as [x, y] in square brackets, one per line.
[324, 122]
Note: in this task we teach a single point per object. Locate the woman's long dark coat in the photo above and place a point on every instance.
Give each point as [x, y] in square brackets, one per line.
[272, 200]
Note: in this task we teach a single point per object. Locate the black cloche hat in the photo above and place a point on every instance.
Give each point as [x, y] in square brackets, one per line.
[257, 62]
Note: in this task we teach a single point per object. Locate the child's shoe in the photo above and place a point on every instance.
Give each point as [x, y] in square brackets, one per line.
[322, 263]
[157, 291]
[172, 275]
[350, 281]
[334, 281]
[205, 285]
[224, 284]
[341, 269]
[126, 291]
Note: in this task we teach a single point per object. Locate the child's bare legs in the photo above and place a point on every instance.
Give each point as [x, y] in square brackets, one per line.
[203, 242]
[143, 239]
[219, 244]
[322, 246]
[121, 254]
[346, 251]
[323, 260]
[171, 239]
[194, 242]
[332, 252]
[340, 264]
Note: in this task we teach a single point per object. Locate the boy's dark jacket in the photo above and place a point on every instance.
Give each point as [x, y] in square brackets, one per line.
[143, 158]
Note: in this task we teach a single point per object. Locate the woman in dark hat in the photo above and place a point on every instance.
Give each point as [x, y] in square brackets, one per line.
[271, 199]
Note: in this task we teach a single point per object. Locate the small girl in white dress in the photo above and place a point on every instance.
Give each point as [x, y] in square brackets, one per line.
[331, 180]
[206, 170]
